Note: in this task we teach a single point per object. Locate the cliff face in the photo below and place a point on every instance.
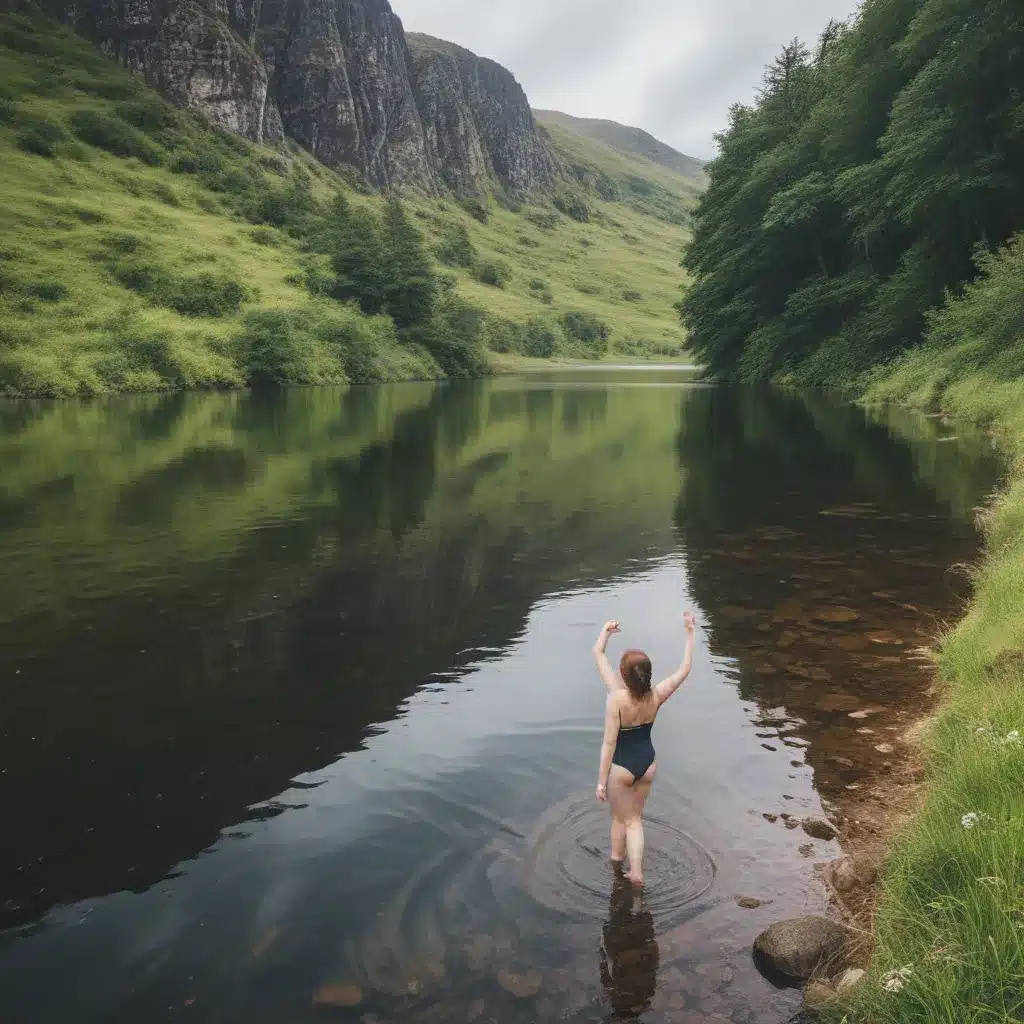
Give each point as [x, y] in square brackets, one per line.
[477, 118]
[339, 77]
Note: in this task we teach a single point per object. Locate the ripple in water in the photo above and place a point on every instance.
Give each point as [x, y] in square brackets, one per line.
[567, 867]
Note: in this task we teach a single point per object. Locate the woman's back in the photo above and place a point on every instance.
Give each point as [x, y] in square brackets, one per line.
[633, 712]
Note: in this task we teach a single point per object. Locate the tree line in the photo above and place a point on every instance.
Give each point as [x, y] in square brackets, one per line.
[861, 190]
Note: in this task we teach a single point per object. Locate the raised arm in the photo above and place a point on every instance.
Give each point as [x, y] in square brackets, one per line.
[611, 737]
[612, 680]
[667, 687]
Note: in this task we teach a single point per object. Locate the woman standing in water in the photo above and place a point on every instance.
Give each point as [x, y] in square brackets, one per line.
[627, 753]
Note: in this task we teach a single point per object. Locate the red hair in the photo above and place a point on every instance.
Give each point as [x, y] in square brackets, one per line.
[635, 669]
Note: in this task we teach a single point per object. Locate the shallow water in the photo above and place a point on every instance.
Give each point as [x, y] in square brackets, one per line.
[298, 719]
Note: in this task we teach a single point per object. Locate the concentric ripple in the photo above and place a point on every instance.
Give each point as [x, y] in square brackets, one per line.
[567, 867]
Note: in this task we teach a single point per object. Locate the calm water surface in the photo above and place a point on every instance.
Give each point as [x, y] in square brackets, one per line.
[298, 719]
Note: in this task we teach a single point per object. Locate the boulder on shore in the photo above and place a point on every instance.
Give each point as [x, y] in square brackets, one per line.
[846, 874]
[798, 946]
[819, 828]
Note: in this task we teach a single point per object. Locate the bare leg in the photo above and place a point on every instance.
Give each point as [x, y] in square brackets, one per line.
[635, 825]
[620, 798]
[618, 840]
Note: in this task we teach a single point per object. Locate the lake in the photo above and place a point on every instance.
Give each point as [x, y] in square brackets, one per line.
[299, 719]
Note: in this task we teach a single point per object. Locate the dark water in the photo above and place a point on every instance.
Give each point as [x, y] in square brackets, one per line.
[298, 720]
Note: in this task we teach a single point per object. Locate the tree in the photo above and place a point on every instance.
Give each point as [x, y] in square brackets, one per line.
[357, 256]
[411, 289]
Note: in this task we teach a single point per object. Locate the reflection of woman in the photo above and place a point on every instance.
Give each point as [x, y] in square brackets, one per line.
[629, 952]
[627, 754]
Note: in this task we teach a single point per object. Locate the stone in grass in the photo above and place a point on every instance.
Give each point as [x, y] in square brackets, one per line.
[797, 947]
[848, 873]
[819, 828]
[849, 979]
[338, 995]
[818, 995]
[522, 986]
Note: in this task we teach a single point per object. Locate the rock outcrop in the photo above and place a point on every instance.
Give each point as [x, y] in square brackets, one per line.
[339, 77]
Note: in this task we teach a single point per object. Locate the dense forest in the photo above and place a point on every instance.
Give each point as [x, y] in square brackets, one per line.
[871, 182]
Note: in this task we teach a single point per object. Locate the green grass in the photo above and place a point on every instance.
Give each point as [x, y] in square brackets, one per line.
[139, 247]
[953, 903]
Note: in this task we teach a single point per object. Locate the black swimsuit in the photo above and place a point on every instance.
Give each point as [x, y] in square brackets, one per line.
[634, 750]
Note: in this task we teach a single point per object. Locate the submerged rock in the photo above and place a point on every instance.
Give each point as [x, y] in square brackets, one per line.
[819, 828]
[338, 995]
[522, 986]
[750, 902]
[798, 946]
[836, 614]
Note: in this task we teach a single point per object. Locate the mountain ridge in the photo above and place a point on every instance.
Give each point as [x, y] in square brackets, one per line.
[626, 139]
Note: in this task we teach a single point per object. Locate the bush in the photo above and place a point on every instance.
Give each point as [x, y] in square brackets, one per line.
[204, 160]
[547, 220]
[39, 135]
[150, 114]
[285, 206]
[205, 295]
[530, 243]
[454, 337]
[496, 274]
[538, 284]
[632, 295]
[265, 236]
[631, 239]
[477, 209]
[502, 335]
[99, 129]
[539, 340]
[49, 291]
[272, 349]
[142, 276]
[588, 331]
[572, 203]
[455, 247]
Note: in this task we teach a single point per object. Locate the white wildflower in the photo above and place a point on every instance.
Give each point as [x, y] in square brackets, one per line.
[894, 980]
[1011, 737]
[969, 820]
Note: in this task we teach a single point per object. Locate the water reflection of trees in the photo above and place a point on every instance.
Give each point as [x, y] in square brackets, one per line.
[818, 540]
[242, 584]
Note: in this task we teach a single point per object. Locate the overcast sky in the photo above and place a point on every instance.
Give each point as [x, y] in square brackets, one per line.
[672, 67]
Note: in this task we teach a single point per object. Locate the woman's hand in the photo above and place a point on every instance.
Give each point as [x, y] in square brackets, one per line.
[608, 630]
[690, 622]
[602, 792]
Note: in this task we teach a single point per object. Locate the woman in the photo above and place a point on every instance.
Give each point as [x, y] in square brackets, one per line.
[627, 753]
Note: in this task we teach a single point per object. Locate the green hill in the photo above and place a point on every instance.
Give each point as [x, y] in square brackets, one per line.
[631, 141]
[144, 250]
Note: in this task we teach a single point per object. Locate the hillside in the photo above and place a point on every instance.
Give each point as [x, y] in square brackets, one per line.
[145, 249]
[632, 141]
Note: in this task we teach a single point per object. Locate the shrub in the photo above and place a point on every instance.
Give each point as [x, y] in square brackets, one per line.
[166, 194]
[142, 276]
[285, 206]
[539, 340]
[502, 335]
[120, 243]
[496, 274]
[205, 295]
[265, 236]
[203, 160]
[584, 243]
[538, 284]
[272, 349]
[455, 247]
[149, 113]
[49, 291]
[632, 239]
[476, 208]
[586, 288]
[39, 135]
[530, 243]
[572, 203]
[547, 220]
[632, 295]
[588, 331]
[454, 336]
[101, 130]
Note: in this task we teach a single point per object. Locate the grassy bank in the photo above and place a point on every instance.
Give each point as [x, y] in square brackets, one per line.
[142, 249]
[953, 903]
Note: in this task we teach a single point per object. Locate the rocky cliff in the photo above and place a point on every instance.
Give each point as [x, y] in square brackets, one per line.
[339, 77]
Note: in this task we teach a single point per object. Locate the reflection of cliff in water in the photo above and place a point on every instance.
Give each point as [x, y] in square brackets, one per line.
[819, 551]
[246, 584]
